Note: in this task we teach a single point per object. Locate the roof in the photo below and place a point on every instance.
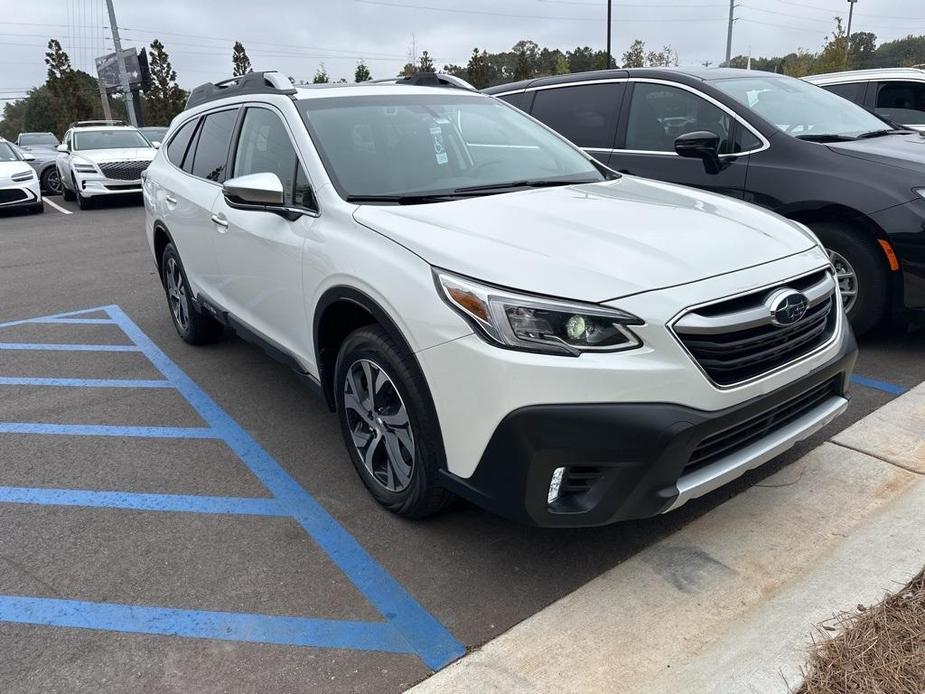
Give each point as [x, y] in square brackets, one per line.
[869, 74]
[686, 73]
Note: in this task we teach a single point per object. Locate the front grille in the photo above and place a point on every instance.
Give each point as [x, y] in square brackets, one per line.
[738, 436]
[124, 170]
[9, 195]
[735, 340]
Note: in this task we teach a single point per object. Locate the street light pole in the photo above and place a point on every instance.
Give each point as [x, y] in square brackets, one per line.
[609, 15]
[848, 35]
[732, 9]
[120, 62]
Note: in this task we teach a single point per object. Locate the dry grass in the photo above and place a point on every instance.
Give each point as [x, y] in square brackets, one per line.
[874, 650]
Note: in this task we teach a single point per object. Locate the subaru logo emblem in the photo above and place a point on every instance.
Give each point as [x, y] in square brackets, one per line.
[787, 306]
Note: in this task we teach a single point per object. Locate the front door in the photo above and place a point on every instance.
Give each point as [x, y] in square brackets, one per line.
[658, 113]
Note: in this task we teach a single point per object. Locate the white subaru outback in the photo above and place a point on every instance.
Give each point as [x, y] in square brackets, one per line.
[491, 313]
[100, 158]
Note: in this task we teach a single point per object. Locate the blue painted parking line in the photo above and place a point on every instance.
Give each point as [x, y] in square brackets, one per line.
[84, 382]
[408, 627]
[201, 624]
[65, 347]
[108, 430]
[182, 503]
[75, 321]
[890, 388]
[70, 317]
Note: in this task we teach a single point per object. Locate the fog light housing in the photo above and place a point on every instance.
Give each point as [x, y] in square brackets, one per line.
[555, 484]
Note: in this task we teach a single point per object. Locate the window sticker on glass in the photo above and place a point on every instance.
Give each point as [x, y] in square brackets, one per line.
[439, 149]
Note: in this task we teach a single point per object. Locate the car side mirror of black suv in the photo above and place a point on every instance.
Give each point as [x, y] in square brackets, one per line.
[701, 144]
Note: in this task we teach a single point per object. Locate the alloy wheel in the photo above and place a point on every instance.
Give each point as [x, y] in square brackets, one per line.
[53, 182]
[176, 294]
[847, 279]
[379, 425]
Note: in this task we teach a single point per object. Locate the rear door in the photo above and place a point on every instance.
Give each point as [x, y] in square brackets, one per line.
[902, 102]
[852, 91]
[658, 113]
[259, 252]
[198, 155]
[586, 114]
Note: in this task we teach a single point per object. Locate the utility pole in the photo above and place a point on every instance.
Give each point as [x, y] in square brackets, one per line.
[609, 16]
[848, 35]
[107, 113]
[120, 62]
[732, 10]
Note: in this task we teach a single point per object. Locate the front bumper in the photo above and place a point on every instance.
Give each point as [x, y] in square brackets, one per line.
[633, 460]
[905, 226]
[20, 194]
[94, 185]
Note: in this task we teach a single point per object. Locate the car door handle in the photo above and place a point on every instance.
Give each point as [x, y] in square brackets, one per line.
[220, 222]
[171, 200]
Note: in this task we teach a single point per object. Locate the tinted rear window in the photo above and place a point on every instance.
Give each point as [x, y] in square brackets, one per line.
[851, 91]
[585, 115]
[179, 143]
[212, 145]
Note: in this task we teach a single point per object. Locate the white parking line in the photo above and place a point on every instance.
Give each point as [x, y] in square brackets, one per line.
[57, 206]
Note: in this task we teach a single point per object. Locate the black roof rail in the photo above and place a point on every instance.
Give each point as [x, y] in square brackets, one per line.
[269, 82]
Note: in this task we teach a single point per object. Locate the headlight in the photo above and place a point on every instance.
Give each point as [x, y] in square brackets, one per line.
[537, 324]
[83, 166]
[24, 176]
[920, 191]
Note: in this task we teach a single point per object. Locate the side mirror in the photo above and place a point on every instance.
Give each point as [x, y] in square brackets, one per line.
[156, 144]
[61, 148]
[28, 157]
[703, 145]
[254, 190]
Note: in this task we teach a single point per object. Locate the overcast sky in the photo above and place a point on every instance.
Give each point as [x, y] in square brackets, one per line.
[295, 36]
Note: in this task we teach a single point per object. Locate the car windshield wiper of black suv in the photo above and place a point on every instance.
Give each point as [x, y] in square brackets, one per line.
[881, 133]
[826, 137]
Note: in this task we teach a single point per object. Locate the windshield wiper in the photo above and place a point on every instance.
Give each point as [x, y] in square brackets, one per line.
[407, 199]
[826, 137]
[881, 133]
[527, 183]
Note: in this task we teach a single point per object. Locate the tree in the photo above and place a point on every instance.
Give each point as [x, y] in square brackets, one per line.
[561, 67]
[832, 57]
[361, 74]
[164, 99]
[71, 97]
[798, 64]
[240, 63]
[426, 63]
[321, 75]
[667, 57]
[862, 50]
[635, 56]
[478, 71]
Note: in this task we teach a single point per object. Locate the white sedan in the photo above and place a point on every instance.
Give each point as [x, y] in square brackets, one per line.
[19, 184]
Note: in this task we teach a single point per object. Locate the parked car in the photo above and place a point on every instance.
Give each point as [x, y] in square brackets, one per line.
[154, 134]
[99, 158]
[768, 139]
[489, 310]
[897, 94]
[37, 140]
[19, 185]
[45, 164]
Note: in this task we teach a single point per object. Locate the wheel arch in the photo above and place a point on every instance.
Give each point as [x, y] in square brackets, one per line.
[161, 238]
[340, 311]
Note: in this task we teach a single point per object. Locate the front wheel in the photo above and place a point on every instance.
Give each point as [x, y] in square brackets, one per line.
[389, 423]
[83, 202]
[51, 181]
[862, 275]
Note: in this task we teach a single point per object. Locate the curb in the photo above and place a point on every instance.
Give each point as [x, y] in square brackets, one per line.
[728, 602]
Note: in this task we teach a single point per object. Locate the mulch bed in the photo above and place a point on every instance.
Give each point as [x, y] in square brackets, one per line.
[874, 650]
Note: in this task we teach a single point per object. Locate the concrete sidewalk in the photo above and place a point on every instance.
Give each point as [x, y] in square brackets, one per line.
[729, 603]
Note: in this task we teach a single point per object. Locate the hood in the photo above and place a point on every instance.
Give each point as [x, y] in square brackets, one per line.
[105, 155]
[903, 151]
[590, 242]
[8, 169]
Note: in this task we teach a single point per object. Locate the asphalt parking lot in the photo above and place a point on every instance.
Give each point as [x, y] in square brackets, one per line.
[148, 487]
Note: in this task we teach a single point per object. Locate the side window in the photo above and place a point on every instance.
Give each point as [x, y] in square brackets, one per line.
[586, 115]
[660, 113]
[519, 99]
[179, 143]
[745, 139]
[852, 91]
[212, 145]
[902, 102]
[264, 147]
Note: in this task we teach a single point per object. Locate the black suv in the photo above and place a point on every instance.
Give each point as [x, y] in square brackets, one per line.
[782, 143]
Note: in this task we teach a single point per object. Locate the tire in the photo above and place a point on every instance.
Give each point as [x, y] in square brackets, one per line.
[66, 193]
[851, 253]
[51, 181]
[192, 326]
[411, 488]
[84, 203]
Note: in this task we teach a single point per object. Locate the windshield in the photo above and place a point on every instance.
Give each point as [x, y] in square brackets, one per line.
[109, 139]
[7, 153]
[29, 139]
[154, 133]
[412, 145]
[799, 108]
